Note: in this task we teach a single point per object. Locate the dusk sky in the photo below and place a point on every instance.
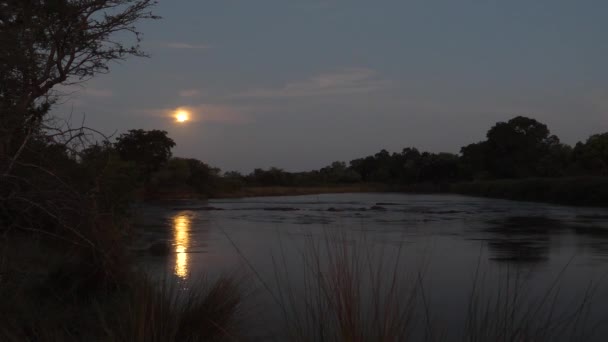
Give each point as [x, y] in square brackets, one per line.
[299, 84]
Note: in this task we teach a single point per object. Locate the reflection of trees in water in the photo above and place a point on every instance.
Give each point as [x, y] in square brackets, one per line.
[522, 238]
[522, 249]
[528, 238]
[592, 236]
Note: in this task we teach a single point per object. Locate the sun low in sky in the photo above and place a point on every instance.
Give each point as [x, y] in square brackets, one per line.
[182, 115]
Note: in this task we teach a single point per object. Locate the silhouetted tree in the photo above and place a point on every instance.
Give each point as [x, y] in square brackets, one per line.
[150, 150]
[475, 160]
[591, 157]
[50, 42]
[407, 165]
[439, 168]
[203, 177]
[109, 179]
[272, 176]
[556, 162]
[337, 172]
[513, 149]
[517, 146]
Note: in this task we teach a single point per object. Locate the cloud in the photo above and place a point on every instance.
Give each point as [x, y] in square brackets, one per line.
[189, 93]
[222, 114]
[342, 82]
[189, 46]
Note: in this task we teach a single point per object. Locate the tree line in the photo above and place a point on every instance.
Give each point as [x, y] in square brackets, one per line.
[140, 162]
[519, 148]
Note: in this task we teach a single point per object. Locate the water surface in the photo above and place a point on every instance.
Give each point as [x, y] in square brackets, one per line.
[450, 239]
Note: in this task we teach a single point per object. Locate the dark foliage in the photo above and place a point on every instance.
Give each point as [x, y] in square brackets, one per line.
[517, 149]
[150, 150]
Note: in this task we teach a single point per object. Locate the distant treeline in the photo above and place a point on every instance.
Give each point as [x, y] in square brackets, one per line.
[521, 148]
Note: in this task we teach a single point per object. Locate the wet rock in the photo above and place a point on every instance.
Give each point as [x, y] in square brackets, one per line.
[377, 208]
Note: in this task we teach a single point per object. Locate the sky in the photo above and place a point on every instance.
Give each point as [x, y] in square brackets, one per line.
[299, 84]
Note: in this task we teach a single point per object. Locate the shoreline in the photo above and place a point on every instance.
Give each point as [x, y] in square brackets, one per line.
[571, 191]
[274, 191]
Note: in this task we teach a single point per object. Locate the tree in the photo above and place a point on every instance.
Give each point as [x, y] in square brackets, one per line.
[517, 145]
[108, 178]
[272, 176]
[46, 43]
[556, 162]
[337, 172]
[407, 165]
[150, 150]
[203, 178]
[512, 149]
[475, 159]
[438, 167]
[591, 157]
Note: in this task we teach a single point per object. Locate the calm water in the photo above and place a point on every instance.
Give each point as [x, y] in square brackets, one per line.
[446, 238]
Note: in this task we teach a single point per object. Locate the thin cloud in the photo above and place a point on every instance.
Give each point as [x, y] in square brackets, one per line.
[342, 82]
[223, 114]
[188, 46]
[189, 93]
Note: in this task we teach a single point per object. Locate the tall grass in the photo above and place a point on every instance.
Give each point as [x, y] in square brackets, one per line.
[39, 305]
[349, 291]
[347, 294]
[205, 311]
[509, 310]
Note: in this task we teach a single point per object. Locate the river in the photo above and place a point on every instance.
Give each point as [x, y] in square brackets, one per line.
[451, 245]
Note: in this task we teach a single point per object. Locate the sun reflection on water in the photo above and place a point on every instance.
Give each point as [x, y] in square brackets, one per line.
[181, 236]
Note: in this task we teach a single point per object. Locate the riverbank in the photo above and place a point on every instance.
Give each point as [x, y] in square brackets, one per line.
[266, 191]
[577, 191]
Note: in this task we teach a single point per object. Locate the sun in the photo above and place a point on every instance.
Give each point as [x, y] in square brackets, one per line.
[182, 116]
